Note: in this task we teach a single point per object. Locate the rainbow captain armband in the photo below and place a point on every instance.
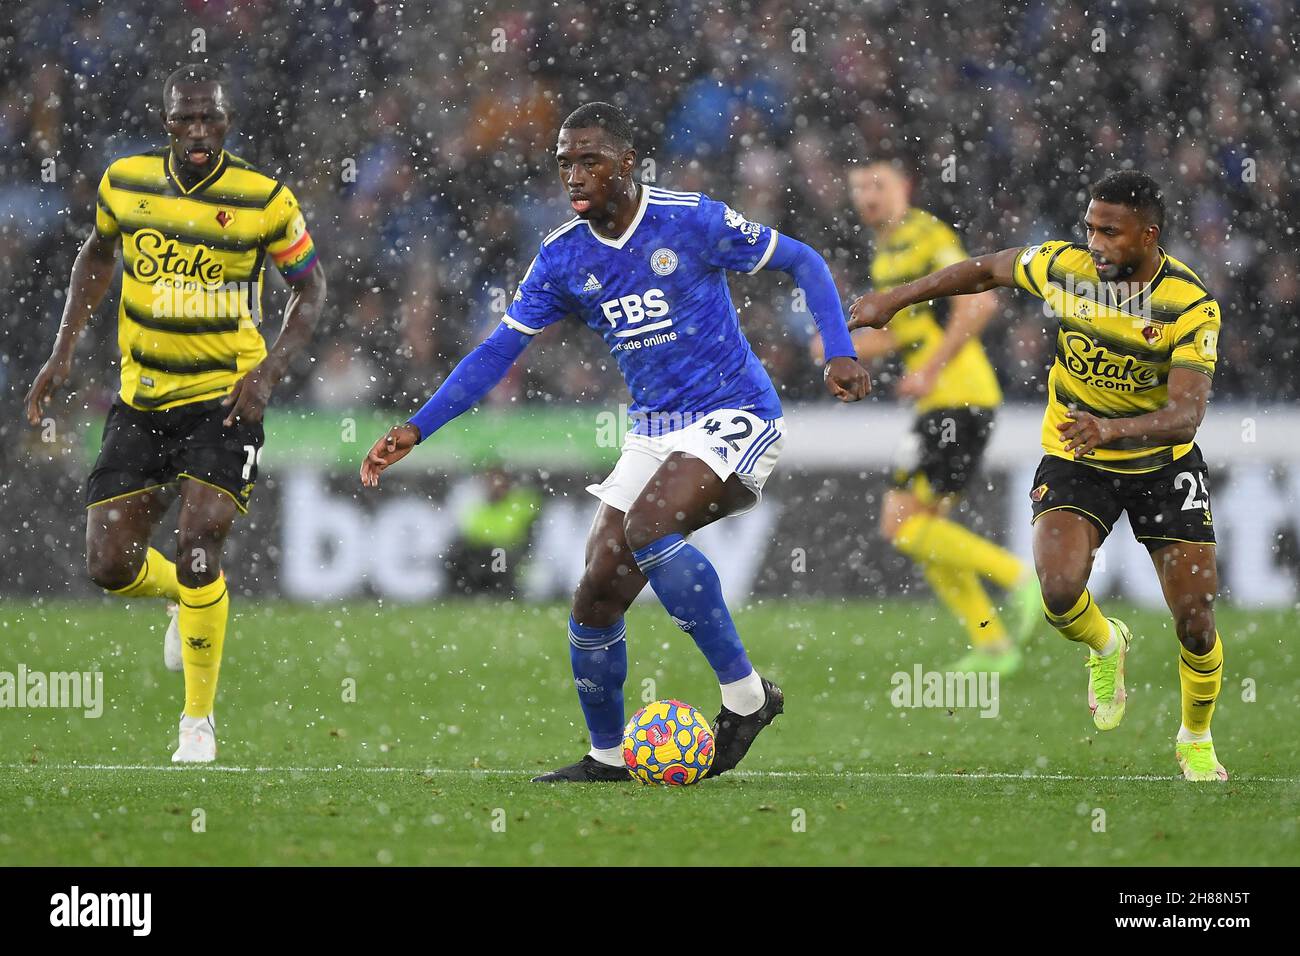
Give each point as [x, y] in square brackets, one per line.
[299, 255]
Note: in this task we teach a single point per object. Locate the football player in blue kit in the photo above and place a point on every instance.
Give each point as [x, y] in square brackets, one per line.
[646, 269]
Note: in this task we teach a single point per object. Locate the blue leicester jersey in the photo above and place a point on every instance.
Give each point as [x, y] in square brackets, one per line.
[658, 296]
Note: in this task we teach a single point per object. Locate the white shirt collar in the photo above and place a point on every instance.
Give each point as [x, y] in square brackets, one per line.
[621, 241]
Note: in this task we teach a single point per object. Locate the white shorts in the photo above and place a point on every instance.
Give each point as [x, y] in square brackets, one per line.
[729, 441]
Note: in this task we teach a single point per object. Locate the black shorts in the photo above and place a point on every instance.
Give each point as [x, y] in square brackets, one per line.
[145, 450]
[1166, 506]
[945, 448]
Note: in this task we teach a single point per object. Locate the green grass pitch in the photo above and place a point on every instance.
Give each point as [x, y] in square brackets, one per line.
[456, 705]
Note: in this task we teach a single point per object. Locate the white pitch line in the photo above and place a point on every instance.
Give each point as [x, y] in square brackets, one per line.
[748, 774]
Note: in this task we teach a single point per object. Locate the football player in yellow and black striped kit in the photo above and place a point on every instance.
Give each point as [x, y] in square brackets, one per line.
[956, 392]
[1136, 345]
[196, 225]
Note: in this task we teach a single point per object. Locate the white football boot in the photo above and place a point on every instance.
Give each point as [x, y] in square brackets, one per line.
[172, 659]
[198, 740]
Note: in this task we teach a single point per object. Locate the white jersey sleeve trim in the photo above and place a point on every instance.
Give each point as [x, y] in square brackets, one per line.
[771, 247]
[519, 326]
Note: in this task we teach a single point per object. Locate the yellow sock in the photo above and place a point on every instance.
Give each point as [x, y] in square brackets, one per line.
[1200, 677]
[1084, 622]
[929, 539]
[964, 596]
[157, 578]
[203, 633]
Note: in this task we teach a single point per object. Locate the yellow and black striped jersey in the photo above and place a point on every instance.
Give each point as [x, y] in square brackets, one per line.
[922, 244]
[1113, 357]
[193, 264]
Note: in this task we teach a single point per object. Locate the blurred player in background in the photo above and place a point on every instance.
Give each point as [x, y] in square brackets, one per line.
[499, 522]
[1136, 347]
[646, 269]
[956, 393]
[196, 225]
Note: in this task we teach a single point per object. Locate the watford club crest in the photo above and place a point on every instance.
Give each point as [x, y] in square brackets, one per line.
[224, 218]
[1038, 493]
[1150, 333]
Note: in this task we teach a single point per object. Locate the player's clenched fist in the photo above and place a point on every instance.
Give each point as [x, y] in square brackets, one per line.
[1083, 432]
[870, 311]
[393, 447]
[846, 379]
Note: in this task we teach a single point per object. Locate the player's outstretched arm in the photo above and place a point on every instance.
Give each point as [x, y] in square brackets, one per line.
[472, 378]
[249, 398]
[91, 275]
[990, 271]
[845, 378]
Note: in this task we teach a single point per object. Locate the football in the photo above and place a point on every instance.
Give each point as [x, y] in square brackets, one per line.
[668, 742]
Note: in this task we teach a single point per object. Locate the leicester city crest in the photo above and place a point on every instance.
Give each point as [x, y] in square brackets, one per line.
[663, 261]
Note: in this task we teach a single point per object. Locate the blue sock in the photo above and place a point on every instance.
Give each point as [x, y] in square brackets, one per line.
[599, 659]
[689, 589]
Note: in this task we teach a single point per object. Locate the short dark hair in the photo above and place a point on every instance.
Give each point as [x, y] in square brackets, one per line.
[898, 164]
[193, 73]
[605, 115]
[1134, 189]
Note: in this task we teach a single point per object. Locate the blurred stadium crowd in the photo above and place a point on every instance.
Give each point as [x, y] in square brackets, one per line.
[446, 111]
